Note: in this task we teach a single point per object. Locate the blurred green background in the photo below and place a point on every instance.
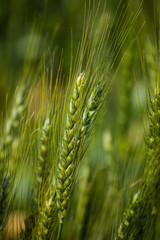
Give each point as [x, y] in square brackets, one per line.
[55, 19]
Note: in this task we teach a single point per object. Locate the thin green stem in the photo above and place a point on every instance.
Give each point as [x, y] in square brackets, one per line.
[59, 231]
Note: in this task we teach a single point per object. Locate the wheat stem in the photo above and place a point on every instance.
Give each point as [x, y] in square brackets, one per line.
[59, 231]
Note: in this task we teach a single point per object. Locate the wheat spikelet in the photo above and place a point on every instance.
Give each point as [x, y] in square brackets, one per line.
[71, 145]
[91, 110]
[66, 166]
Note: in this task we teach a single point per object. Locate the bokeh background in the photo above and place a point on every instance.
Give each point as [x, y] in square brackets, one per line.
[57, 18]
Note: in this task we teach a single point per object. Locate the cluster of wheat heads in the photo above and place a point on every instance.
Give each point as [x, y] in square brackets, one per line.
[54, 138]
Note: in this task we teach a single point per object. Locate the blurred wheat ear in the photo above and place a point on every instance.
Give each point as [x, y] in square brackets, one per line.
[42, 158]
[10, 133]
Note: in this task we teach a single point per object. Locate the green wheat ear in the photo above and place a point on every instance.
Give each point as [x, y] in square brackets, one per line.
[142, 209]
[154, 138]
[91, 110]
[38, 211]
[67, 161]
[42, 158]
[46, 215]
[10, 134]
[74, 144]
[12, 124]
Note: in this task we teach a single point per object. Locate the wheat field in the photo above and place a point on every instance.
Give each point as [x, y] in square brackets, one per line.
[80, 120]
